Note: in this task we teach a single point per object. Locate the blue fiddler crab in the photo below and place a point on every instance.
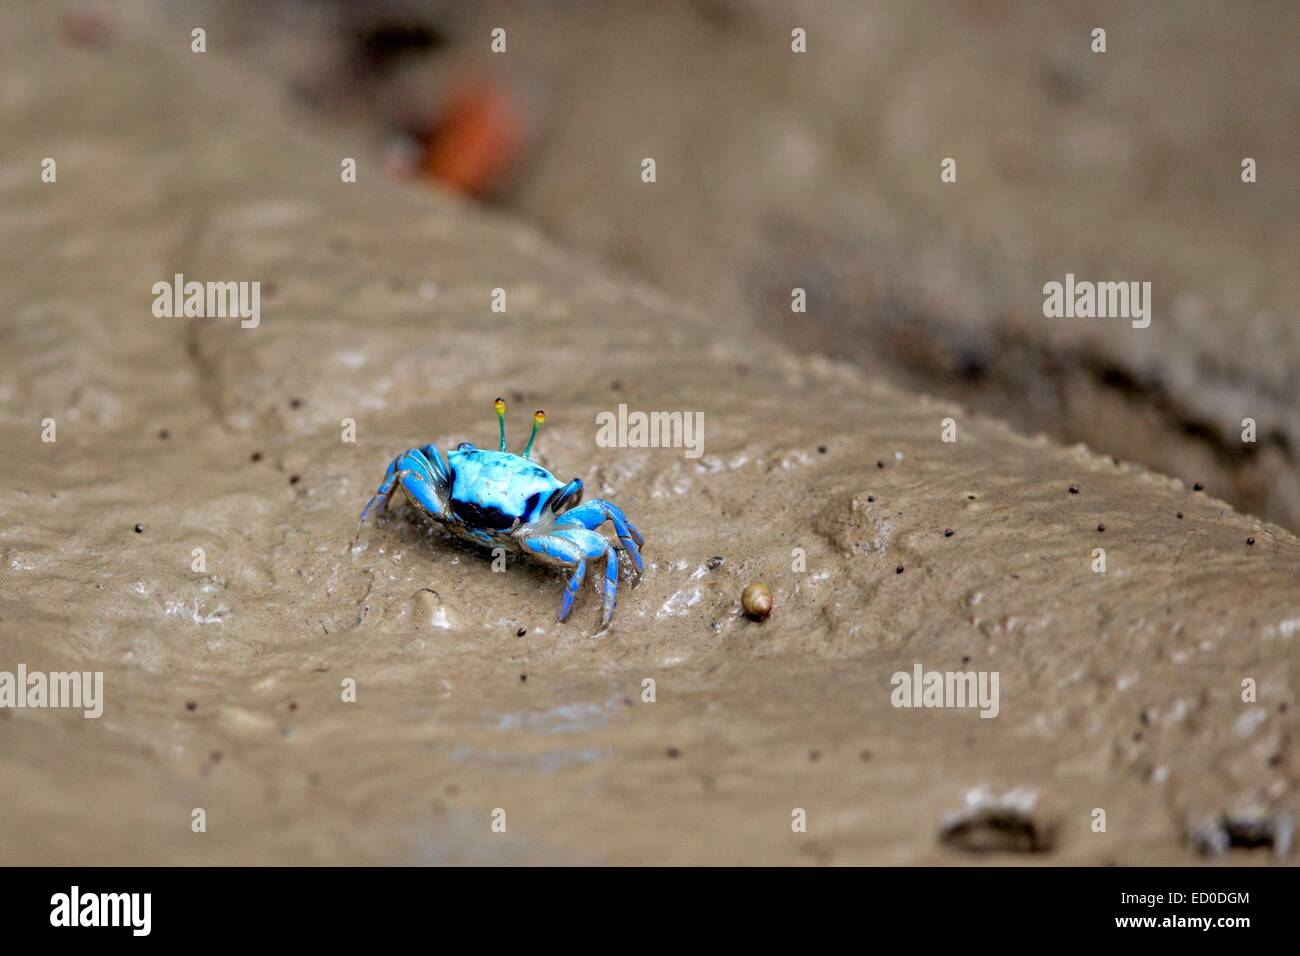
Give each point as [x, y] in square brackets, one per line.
[498, 499]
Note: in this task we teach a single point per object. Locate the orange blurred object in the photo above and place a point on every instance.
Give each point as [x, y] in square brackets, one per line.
[85, 28]
[478, 138]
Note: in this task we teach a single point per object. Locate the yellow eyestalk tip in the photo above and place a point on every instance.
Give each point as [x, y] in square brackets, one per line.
[500, 406]
[538, 417]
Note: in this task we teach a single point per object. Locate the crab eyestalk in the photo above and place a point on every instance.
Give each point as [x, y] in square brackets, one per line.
[538, 418]
[500, 406]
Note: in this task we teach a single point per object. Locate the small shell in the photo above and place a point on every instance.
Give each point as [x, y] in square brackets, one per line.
[757, 601]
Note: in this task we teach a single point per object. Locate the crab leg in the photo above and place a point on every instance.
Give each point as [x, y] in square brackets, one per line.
[574, 547]
[596, 512]
[611, 581]
[437, 464]
[380, 497]
[419, 477]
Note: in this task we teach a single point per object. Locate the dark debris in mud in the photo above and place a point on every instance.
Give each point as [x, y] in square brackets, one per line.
[1216, 836]
[997, 824]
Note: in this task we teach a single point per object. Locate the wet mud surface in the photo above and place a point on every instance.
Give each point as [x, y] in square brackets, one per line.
[821, 172]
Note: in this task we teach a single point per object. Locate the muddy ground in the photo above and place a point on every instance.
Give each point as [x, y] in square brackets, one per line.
[1120, 691]
[821, 171]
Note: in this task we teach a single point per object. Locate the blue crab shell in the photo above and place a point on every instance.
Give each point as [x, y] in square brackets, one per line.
[498, 490]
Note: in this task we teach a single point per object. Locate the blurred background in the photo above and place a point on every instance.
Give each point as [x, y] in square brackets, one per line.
[820, 171]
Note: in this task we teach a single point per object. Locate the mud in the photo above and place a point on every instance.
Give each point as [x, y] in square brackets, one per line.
[821, 171]
[223, 689]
